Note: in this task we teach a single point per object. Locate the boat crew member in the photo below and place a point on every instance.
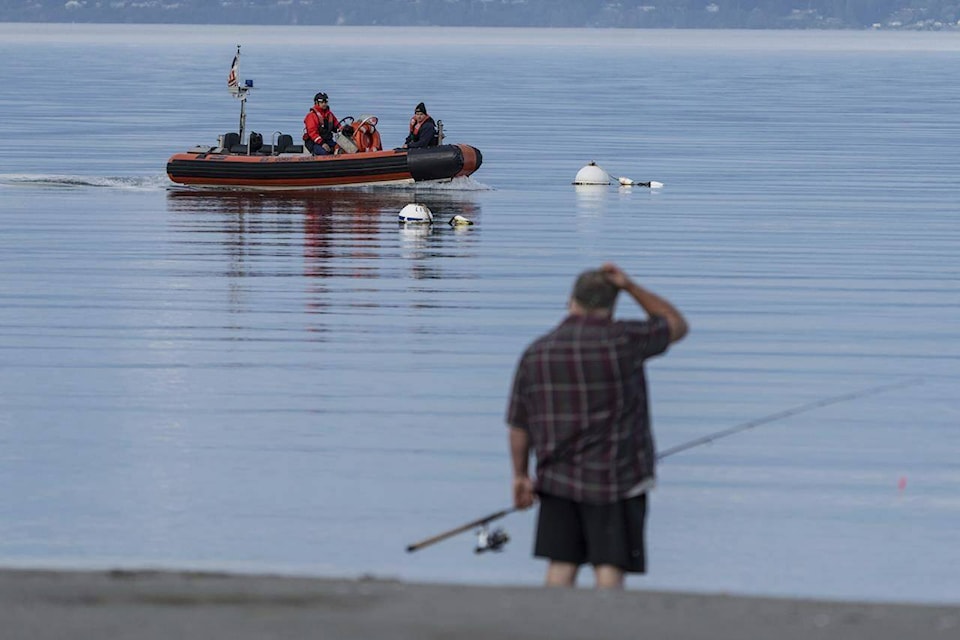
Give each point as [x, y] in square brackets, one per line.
[423, 130]
[579, 401]
[319, 126]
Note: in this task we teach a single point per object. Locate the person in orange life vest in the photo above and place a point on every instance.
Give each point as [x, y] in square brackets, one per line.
[320, 125]
[423, 130]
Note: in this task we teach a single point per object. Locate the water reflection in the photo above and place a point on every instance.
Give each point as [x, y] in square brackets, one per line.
[352, 234]
[591, 198]
[334, 224]
[353, 203]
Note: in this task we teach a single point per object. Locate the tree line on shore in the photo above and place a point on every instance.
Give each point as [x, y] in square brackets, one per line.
[748, 14]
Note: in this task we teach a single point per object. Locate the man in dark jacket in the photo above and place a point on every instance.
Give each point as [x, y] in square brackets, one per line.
[579, 402]
[423, 130]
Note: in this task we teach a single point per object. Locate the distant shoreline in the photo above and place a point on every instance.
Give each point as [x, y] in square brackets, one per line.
[708, 40]
[162, 605]
[946, 28]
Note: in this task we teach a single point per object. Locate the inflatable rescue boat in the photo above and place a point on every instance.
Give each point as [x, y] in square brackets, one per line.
[358, 159]
[287, 167]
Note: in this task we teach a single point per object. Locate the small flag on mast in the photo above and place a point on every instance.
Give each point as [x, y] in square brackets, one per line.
[233, 83]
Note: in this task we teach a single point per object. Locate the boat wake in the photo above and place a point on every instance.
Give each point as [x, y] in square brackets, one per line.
[162, 183]
[451, 187]
[463, 183]
[128, 183]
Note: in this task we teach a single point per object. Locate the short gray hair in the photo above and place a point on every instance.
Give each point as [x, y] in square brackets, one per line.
[593, 290]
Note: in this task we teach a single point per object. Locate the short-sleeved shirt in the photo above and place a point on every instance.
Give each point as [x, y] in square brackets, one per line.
[581, 394]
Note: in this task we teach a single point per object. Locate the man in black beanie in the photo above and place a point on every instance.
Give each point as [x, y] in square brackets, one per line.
[423, 130]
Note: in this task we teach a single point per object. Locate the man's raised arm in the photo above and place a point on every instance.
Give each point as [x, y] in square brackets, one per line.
[653, 304]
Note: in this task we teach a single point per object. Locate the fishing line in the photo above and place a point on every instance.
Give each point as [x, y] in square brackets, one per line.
[499, 538]
[773, 417]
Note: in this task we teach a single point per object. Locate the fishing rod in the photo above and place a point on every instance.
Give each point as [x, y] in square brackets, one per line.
[496, 539]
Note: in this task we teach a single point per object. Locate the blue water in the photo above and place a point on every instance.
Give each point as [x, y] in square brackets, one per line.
[297, 384]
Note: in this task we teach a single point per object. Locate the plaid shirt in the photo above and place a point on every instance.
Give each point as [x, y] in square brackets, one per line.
[580, 392]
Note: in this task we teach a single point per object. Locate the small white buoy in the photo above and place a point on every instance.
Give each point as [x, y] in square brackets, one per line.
[460, 221]
[416, 214]
[592, 174]
[627, 182]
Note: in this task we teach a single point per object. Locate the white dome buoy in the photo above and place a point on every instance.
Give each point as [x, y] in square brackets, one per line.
[416, 213]
[592, 174]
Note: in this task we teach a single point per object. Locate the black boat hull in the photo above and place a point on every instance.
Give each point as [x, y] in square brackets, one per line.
[212, 168]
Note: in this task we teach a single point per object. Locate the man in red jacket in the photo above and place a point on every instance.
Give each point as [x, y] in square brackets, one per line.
[319, 126]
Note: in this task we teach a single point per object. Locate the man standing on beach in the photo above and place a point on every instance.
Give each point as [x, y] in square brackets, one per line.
[579, 401]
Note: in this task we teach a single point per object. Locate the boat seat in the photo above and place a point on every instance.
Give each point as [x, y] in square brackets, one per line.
[255, 141]
[230, 140]
[284, 140]
[267, 150]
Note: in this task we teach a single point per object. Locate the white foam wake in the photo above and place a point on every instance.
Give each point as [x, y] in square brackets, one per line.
[130, 183]
[463, 183]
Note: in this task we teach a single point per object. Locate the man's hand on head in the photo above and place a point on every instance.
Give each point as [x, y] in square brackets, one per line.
[615, 275]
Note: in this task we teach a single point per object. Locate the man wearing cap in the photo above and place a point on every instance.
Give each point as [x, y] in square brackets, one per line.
[319, 126]
[423, 130]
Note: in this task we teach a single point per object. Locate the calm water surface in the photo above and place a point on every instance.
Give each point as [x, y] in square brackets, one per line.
[296, 384]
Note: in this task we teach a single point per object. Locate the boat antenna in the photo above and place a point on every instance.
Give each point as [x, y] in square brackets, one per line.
[239, 90]
[710, 437]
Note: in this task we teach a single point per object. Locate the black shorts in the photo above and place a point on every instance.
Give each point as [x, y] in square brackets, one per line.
[597, 534]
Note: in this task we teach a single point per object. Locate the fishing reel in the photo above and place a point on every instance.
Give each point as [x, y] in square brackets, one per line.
[488, 540]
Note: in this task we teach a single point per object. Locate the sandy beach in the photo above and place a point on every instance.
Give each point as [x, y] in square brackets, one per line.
[147, 605]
